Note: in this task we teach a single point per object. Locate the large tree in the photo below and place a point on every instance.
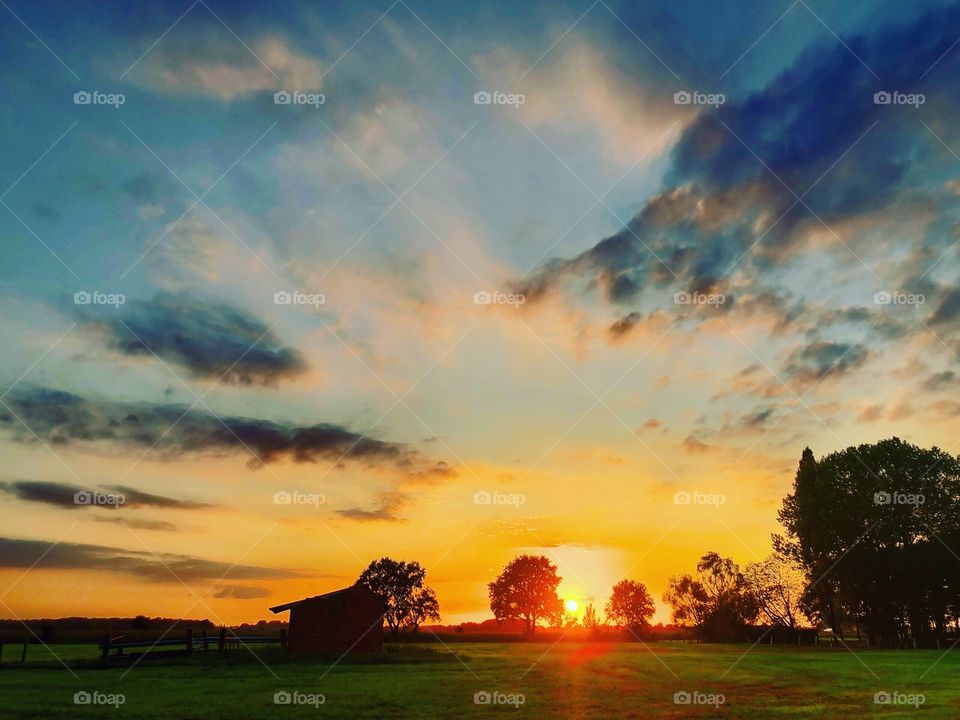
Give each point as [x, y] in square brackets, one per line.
[716, 602]
[872, 527]
[527, 590]
[401, 585]
[630, 605]
[777, 588]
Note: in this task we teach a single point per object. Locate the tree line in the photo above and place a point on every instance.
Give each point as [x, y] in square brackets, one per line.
[870, 546]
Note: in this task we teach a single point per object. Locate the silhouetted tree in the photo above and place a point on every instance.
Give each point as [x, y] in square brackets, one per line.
[527, 590]
[590, 619]
[717, 603]
[777, 588]
[401, 585]
[630, 605]
[872, 527]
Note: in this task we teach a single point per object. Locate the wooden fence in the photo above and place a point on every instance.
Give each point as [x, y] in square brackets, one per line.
[226, 640]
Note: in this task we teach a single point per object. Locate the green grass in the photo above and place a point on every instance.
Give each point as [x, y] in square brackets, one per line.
[568, 680]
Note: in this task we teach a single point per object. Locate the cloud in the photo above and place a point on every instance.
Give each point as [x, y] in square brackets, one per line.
[820, 360]
[941, 381]
[62, 418]
[215, 65]
[138, 524]
[51, 493]
[242, 592]
[164, 567]
[389, 504]
[211, 340]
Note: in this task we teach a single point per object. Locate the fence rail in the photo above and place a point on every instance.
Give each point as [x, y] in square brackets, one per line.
[225, 640]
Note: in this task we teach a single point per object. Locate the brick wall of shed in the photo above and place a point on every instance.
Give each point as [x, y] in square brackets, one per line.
[352, 621]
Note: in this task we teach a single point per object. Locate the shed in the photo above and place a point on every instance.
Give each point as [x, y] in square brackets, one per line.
[342, 621]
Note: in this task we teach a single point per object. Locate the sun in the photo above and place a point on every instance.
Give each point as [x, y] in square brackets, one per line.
[571, 605]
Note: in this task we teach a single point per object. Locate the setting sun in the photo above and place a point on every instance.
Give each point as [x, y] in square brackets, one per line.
[571, 605]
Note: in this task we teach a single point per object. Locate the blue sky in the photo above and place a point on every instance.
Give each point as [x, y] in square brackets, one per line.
[698, 283]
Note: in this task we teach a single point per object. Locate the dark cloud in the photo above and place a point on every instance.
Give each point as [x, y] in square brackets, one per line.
[148, 187]
[164, 567]
[52, 493]
[757, 419]
[61, 418]
[729, 195]
[136, 524]
[820, 360]
[242, 592]
[210, 340]
[941, 381]
[948, 309]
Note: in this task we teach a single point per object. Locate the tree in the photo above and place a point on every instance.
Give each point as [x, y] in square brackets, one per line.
[630, 605]
[871, 527]
[401, 585]
[590, 620]
[777, 588]
[527, 590]
[717, 602]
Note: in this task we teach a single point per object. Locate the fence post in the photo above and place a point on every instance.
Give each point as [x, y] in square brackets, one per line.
[206, 640]
[189, 641]
[105, 646]
[283, 638]
[23, 657]
[222, 641]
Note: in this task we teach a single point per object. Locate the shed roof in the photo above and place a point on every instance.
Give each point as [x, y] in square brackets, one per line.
[324, 596]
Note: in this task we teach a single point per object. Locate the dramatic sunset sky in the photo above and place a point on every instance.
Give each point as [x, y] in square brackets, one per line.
[397, 199]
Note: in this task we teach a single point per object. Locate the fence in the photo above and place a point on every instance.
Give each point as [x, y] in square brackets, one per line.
[225, 641]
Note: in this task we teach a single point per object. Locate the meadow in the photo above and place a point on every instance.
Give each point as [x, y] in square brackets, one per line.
[568, 679]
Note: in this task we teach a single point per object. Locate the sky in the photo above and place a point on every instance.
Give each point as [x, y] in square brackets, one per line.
[290, 288]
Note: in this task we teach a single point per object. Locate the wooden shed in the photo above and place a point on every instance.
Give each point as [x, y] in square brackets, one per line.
[346, 620]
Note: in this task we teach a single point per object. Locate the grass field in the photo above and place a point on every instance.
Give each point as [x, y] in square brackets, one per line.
[568, 680]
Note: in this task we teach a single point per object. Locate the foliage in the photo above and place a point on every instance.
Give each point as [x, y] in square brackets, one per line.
[401, 585]
[527, 590]
[630, 605]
